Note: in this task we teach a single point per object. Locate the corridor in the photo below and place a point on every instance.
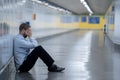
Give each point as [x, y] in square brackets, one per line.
[86, 55]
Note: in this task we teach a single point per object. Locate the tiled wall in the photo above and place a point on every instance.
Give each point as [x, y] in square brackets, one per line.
[7, 18]
[117, 22]
[110, 20]
[113, 22]
[14, 12]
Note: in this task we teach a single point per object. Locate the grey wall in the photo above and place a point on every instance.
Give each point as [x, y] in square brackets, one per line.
[110, 16]
[114, 15]
[117, 22]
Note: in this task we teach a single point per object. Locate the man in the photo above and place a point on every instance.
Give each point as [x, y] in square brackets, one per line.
[24, 57]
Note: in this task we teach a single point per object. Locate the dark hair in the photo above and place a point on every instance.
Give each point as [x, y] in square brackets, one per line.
[24, 26]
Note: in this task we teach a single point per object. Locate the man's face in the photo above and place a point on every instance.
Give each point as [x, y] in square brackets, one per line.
[27, 32]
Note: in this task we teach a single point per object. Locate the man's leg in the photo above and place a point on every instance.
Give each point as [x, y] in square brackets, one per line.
[29, 62]
[32, 58]
[46, 58]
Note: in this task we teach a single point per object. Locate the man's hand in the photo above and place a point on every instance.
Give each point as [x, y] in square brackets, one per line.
[29, 33]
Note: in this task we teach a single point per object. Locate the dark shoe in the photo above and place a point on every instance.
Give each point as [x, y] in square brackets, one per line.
[55, 68]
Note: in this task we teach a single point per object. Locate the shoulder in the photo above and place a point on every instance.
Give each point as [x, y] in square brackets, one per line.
[18, 37]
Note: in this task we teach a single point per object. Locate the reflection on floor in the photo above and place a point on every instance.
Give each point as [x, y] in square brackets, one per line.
[86, 55]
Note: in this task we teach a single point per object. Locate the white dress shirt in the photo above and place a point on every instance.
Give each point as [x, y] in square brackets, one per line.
[22, 47]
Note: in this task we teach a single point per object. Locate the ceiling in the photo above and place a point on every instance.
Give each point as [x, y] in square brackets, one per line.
[98, 7]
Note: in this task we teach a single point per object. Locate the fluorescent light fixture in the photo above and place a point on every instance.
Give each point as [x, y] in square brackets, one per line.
[23, 1]
[82, 1]
[53, 7]
[86, 6]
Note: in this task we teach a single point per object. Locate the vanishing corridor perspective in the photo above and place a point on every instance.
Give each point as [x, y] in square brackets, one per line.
[81, 36]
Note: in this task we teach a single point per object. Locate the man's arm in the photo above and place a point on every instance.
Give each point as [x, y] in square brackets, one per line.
[29, 44]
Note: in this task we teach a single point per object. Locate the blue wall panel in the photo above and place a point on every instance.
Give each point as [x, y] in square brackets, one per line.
[94, 20]
[83, 19]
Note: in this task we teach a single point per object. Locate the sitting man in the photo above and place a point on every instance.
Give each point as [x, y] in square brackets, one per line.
[25, 58]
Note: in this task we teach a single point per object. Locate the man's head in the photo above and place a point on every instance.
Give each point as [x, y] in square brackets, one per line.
[24, 29]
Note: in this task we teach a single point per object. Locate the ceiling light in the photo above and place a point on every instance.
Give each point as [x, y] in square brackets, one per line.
[53, 7]
[82, 1]
[86, 6]
[23, 1]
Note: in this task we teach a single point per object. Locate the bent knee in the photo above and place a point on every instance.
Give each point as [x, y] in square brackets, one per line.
[38, 47]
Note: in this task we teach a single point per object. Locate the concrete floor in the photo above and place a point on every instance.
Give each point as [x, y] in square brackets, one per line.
[86, 55]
